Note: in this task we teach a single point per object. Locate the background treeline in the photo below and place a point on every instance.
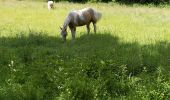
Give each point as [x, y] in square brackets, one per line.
[122, 1]
[84, 0]
[143, 1]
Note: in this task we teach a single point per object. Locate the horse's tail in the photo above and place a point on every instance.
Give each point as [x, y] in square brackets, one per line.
[98, 15]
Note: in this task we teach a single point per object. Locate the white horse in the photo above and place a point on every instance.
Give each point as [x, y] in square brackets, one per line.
[80, 18]
[50, 5]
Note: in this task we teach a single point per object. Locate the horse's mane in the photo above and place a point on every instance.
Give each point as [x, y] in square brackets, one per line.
[66, 22]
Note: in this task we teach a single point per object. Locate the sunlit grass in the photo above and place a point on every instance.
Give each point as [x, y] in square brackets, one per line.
[142, 24]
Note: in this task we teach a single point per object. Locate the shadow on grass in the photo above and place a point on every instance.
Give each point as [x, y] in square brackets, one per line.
[39, 60]
[97, 47]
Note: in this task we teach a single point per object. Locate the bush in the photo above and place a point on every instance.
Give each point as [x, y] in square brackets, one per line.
[78, 1]
[120, 1]
[83, 1]
[144, 1]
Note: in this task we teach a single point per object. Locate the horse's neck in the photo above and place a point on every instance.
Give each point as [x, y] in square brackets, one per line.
[66, 23]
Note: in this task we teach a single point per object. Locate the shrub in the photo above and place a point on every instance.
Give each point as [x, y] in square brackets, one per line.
[144, 1]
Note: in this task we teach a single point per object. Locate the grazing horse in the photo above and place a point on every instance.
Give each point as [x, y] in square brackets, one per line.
[80, 18]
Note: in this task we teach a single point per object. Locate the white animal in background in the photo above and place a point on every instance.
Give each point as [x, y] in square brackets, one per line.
[50, 5]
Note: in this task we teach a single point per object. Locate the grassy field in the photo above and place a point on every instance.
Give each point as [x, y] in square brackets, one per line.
[128, 58]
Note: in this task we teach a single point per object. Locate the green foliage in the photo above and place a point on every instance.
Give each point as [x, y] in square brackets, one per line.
[41, 67]
[143, 1]
[121, 1]
[80, 1]
[129, 62]
[83, 1]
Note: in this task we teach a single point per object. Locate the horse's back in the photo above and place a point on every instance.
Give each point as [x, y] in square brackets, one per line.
[82, 17]
[92, 14]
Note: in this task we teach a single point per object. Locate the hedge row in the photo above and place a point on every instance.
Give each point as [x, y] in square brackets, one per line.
[85, 0]
[144, 1]
[122, 1]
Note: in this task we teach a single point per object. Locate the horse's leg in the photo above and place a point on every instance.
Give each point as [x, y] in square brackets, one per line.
[73, 32]
[94, 25]
[88, 28]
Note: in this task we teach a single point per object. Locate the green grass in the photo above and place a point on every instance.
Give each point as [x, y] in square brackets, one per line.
[128, 58]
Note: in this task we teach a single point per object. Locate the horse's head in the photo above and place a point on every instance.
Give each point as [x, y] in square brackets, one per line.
[63, 33]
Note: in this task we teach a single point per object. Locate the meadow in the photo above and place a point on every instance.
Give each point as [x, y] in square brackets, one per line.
[127, 59]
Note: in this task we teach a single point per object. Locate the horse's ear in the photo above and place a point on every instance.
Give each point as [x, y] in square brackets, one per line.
[60, 28]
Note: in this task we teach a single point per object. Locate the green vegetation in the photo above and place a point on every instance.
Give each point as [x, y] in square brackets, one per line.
[155, 2]
[128, 58]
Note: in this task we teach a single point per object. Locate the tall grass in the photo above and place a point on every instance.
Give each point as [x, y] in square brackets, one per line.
[128, 58]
